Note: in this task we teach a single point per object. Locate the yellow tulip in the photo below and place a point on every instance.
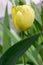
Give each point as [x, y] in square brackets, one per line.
[23, 17]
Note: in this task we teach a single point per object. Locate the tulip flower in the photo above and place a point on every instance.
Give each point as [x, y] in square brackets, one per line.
[23, 17]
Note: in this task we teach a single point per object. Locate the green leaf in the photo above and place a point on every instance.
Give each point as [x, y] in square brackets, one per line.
[16, 51]
[1, 34]
[41, 52]
[42, 14]
[11, 34]
[6, 38]
[38, 48]
[34, 56]
[31, 58]
[38, 26]
[20, 2]
[0, 50]
[37, 13]
[16, 2]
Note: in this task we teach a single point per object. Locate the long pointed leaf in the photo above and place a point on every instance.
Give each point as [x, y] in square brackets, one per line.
[16, 51]
[6, 38]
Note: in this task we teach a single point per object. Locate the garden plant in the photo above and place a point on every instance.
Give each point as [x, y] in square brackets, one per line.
[25, 46]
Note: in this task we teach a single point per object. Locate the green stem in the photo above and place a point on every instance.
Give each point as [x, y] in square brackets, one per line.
[24, 58]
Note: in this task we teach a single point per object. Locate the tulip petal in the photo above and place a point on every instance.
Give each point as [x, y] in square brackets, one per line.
[13, 12]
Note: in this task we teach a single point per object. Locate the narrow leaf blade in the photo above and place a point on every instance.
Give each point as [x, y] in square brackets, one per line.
[6, 38]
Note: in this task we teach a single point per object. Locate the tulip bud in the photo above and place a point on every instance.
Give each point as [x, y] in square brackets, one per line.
[23, 17]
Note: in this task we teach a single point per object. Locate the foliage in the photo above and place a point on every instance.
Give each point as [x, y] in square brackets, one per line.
[28, 44]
